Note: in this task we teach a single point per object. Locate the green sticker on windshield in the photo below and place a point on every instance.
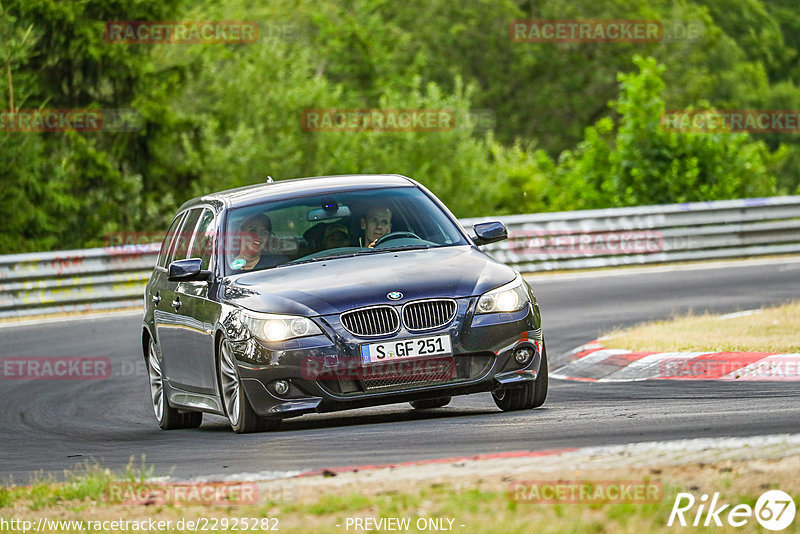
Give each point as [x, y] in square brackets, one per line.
[238, 263]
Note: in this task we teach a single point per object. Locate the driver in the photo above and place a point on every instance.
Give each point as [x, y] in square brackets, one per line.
[376, 223]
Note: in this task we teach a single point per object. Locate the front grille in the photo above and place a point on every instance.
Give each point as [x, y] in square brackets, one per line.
[373, 321]
[428, 314]
[406, 374]
[402, 374]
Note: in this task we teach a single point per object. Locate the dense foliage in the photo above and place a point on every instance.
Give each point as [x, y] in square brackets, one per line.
[576, 125]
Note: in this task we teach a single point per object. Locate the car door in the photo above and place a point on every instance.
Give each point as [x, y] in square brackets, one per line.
[194, 368]
[160, 290]
[166, 316]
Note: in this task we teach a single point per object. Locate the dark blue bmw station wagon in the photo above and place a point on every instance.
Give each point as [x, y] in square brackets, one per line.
[331, 293]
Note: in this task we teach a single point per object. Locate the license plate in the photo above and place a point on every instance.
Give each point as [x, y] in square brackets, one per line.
[399, 349]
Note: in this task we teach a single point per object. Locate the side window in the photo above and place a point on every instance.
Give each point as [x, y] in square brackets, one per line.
[203, 239]
[169, 239]
[181, 247]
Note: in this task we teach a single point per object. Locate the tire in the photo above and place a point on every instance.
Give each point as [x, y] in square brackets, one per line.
[542, 381]
[428, 404]
[528, 396]
[168, 417]
[241, 416]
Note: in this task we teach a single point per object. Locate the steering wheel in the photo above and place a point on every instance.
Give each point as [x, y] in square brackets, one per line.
[396, 235]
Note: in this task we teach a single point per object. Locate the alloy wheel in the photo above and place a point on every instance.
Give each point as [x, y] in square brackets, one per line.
[230, 384]
[156, 382]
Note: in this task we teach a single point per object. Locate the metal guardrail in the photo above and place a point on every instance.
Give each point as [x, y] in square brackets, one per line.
[649, 234]
[75, 280]
[114, 277]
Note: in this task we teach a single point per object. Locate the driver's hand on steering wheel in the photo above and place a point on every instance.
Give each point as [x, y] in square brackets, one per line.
[372, 245]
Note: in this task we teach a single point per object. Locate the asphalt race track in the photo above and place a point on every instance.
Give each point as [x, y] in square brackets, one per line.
[52, 425]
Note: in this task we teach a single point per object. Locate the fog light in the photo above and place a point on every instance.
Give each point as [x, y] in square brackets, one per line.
[523, 355]
[281, 387]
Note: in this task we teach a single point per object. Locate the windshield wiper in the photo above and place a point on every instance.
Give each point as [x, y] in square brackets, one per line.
[360, 253]
[408, 247]
[321, 258]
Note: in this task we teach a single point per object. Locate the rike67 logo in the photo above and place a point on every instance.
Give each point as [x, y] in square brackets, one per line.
[774, 511]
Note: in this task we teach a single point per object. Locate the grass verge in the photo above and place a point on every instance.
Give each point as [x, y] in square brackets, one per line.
[769, 330]
[470, 505]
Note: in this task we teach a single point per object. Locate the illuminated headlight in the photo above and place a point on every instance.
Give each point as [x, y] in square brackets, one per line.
[508, 298]
[273, 327]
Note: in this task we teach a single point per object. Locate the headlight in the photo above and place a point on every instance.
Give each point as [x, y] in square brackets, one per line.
[273, 327]
[508, 298]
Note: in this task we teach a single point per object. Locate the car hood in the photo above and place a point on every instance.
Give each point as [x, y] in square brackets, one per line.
[336, 285]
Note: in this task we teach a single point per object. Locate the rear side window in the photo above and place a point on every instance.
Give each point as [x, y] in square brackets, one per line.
[169, 239]
[203, 239]
[181, 248]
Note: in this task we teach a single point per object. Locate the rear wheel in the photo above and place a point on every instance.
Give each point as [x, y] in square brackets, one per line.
[529, 395]
[241, 416]
[427, 404]
[168, 417]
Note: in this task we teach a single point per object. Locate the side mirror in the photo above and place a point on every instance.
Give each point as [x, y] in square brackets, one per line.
[187, 270]
[489, 232]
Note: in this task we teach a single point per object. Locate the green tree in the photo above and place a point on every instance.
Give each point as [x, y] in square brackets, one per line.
[652, 165]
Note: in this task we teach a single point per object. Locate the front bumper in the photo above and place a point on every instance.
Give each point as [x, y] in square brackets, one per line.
[326, 373]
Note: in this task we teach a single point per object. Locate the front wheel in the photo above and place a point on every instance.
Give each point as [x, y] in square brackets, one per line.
[529, 395]
[168, 417]
[241, 416]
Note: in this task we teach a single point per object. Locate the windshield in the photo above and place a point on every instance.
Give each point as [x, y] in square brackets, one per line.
[326, 226]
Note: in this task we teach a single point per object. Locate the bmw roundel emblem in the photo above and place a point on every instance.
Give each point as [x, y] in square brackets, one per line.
[395, 295]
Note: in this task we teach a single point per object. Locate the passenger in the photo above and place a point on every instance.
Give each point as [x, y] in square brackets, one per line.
[336, 236]
[376, 224]
[255, 236]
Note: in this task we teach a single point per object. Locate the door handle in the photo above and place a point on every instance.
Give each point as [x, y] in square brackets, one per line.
[176, 303]
[156, 299]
